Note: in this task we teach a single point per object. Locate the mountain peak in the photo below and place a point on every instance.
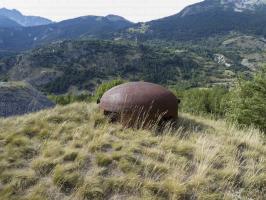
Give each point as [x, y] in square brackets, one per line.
[115, 18]
[6, 12]
[21, 19]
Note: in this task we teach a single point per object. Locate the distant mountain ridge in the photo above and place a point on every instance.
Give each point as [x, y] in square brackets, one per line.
[23, 38]
[23, 20]
[202, 20]
[195, 22]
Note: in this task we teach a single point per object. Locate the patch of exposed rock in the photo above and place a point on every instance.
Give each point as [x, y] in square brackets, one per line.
[221, 59]
[18, 98]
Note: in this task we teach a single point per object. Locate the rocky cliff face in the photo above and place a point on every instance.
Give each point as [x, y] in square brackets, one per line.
[18, 98]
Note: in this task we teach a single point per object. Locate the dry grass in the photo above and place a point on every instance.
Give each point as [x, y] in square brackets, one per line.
[73, 153]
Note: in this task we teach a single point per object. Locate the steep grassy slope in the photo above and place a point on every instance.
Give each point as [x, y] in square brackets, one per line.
[73, 153]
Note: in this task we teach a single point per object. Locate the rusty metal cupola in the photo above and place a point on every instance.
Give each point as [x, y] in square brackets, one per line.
[140, 101]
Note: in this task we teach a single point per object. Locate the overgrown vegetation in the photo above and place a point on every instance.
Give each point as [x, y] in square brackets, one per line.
[106, 86]
[205, 101]
[70, 98]
[72, 152]
[85, 97]
[247, 104]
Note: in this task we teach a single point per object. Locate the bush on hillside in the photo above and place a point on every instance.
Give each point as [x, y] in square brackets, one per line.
[205, 101]
[247, 105]
[106, 86]
[70, 98]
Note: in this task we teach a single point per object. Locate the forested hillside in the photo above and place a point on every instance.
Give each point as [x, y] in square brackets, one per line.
[84, 64]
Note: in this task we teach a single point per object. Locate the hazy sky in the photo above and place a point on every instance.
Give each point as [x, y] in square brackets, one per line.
[134, 10]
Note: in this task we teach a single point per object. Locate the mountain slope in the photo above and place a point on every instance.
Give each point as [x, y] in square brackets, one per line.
[20, 98]
[23, 20]
[72, 152]
[7, 23]
[84, 64]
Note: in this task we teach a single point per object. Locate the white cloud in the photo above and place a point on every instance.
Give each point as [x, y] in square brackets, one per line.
[134, 10]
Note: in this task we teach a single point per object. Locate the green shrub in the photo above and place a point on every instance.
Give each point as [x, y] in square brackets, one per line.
[247, 105]
[106, 86]
[205, 101]
[70, 98]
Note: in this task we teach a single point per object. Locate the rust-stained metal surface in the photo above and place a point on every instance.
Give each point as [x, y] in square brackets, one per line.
[140, 101]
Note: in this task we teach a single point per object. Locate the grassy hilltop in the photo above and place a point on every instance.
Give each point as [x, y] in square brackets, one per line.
[72, 152]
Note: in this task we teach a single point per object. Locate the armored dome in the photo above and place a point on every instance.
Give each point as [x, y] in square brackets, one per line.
[145, 98]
